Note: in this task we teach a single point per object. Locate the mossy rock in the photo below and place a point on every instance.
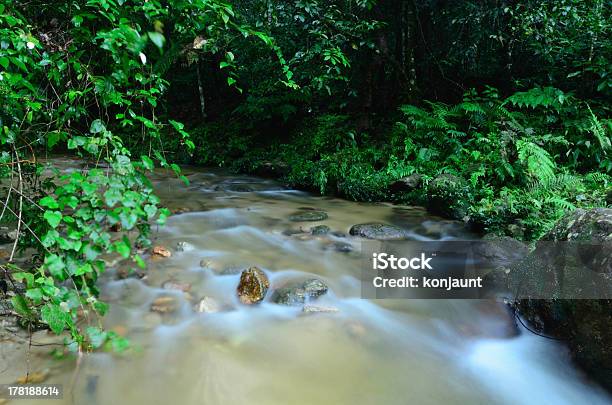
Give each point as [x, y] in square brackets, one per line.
[320, 230]
[300, 292]
[407, 184]
[447, 196]
[378, 231]
[585, 324]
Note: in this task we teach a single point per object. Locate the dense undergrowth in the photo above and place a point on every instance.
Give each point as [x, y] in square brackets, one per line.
[520, 162]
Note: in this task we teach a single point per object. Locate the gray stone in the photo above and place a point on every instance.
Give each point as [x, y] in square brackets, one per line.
[320, 230]
[378, 231]
[300, 292]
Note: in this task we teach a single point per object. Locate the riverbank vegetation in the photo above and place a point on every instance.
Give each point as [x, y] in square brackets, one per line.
[495, 113]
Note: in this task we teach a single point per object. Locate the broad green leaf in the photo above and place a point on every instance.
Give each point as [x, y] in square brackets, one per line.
[49, 202]
[97, 126]
[97, 337]
[101, 307]
[140, 262]
[53, 218]
[35, 294]
[147, 162]
[157, 38]
[122, 248]
[53, 316]
[21, 306]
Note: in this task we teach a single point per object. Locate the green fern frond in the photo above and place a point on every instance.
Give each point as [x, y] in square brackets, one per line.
[537, 160]
[560, 203]
[598, 130]
[539, 97]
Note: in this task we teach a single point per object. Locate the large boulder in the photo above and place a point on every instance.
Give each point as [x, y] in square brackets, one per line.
[378, 231]
[447, 196]
[585, 324]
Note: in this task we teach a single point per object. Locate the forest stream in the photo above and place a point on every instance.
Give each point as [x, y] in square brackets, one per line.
[219, 351]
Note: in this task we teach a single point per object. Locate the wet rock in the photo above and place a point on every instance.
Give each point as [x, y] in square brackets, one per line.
[585, 324]
[407, 184]
[320, 230]
[234, 187]
[304, 237]
[298, 293]
[164, 305]
[292, 232]
[220, 269]
[378, 231]
[161, 251]
[342, 247]
[207, 305]
[176, 285]
[124, 272]
[447, 196]
[501, 251]
[308, 216]
[181, 210]
[318, 309]
[253, 286]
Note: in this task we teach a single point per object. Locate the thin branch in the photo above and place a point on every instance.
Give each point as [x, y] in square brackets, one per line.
[19, 221]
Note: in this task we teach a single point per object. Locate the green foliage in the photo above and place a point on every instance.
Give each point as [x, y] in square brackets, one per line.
[87, 78]
[515, 159]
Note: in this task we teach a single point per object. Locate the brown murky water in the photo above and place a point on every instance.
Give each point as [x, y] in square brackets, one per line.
[368, 352]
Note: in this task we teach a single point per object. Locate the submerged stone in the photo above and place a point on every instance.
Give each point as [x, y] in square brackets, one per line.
[308, 216]
[318, 309]
[207, 305]
[176, 285]
[164, 305]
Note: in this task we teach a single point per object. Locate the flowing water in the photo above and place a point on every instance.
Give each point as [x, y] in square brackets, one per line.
[368, 352]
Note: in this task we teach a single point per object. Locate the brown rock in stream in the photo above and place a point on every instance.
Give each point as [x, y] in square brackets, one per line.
[253, 286]
[161, 251]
